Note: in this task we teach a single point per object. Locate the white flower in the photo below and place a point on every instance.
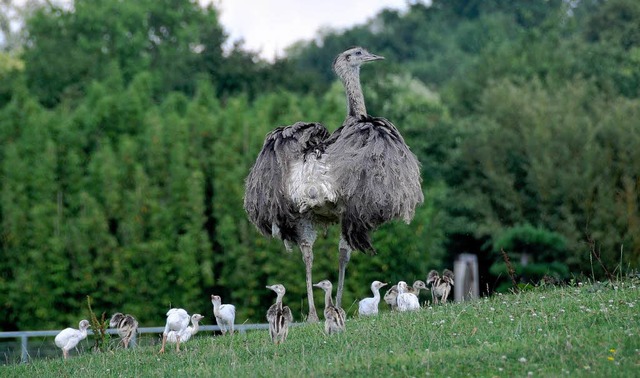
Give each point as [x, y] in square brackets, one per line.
[522, 359]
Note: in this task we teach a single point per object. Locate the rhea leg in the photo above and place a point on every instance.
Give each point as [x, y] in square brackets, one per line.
[307, 256]
[445, 295]
[307, 237]
[345, 256]
[164, 341]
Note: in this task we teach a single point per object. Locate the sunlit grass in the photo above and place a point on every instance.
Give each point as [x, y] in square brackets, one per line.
[590, 330]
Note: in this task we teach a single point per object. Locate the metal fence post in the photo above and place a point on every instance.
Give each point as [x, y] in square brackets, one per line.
[466, 277]
[24, 343]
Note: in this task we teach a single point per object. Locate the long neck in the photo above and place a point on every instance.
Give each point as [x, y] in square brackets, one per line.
[353, 89]
[376, 294]
[327, 298]
[195, 328]
[216, 308]
[279, 300]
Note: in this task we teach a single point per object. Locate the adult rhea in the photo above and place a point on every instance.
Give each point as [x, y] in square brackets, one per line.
[361, 176]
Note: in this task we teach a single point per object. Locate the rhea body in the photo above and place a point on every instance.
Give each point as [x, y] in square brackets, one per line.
[69, 338]
[126, 325]
[369, 306]
[177, 322]
[185, 335]
[391, 297]
[416, 287]
[406, 301]
[360, 176]
[279, 316]
[334, 315]
[440, 285]
[225, 314]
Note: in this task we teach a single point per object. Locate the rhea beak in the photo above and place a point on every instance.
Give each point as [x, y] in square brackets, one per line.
[373, 57]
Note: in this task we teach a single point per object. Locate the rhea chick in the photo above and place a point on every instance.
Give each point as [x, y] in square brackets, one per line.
[334, 316]
[406, 301]
[225, 314]
[369, 306]
[440, 286]
[68, 338]
[279, 316]
[126, 325]
[177, 321]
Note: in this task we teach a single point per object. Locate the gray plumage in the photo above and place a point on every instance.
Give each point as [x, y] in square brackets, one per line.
[391, 297]
[126, 325]
[440, 286]
[417, 286]
[279, 316]
[361, 176]
[334, 316]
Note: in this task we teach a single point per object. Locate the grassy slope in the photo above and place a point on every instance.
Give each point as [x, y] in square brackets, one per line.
[592, 330]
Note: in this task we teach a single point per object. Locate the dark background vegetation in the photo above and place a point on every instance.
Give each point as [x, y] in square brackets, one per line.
[126, 132]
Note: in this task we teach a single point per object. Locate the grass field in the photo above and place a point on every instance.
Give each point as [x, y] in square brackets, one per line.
[587, 330]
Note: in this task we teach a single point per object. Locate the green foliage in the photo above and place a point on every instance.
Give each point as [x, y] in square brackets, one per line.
[545, 245]
[615, 46]
[140, 206]
[126, 135]
[548, 155]
[174, 39]
[539, 253]
[99, 328]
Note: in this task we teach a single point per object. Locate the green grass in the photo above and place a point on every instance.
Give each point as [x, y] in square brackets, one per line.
[591, 330]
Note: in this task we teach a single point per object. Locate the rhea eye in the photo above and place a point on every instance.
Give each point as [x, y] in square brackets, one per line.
[358, 52]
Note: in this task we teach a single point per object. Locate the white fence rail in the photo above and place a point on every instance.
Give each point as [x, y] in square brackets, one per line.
[25, 335]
